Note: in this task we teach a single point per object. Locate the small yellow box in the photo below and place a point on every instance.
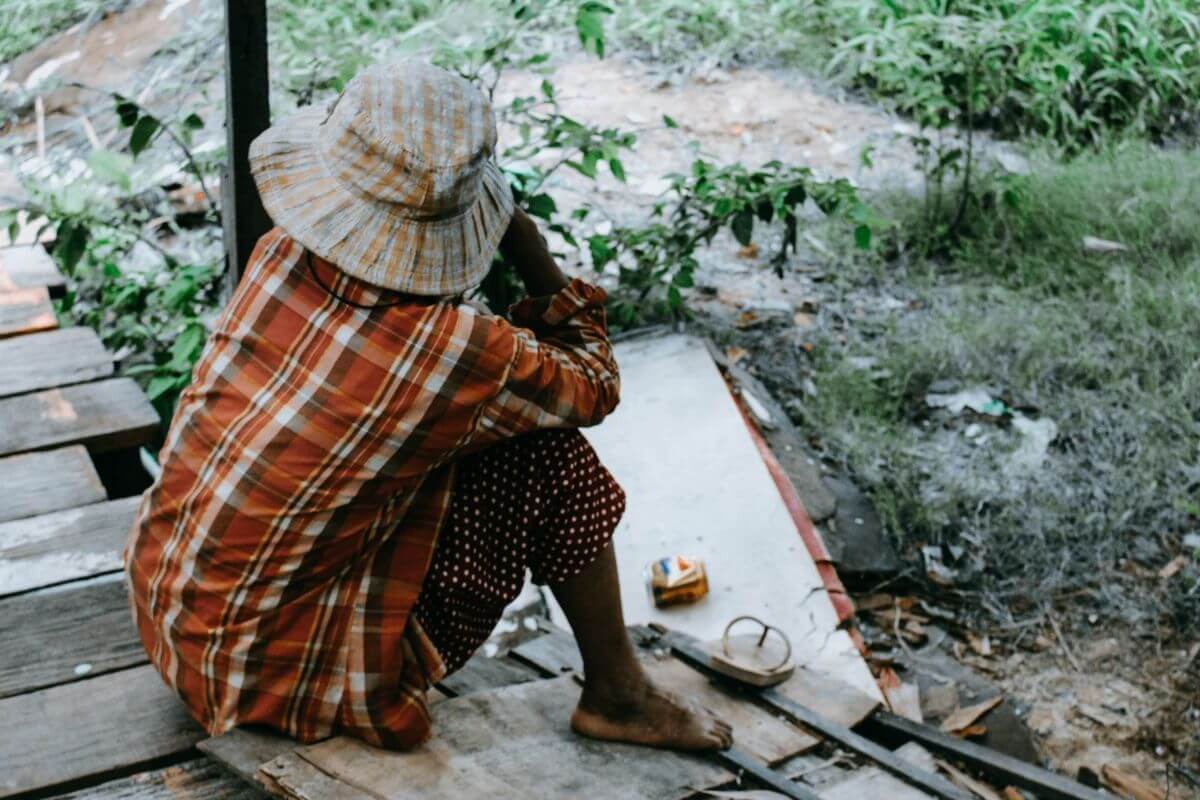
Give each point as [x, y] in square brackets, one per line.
[676, 580]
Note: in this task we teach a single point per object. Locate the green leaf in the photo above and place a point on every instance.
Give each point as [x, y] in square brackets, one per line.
[862, 237]
[159, 385]
[669, 122]
[547, 90]
[617, 169]
[186, 347]
[795, 196]
[143, 131]
[600, 250]
[683, 278]
[541, 205]
[128, 113]
[589, 24]
[193, 122]
[111, 167]
[674, 298]
[743, 226]
[765, 210]
[71, 241]
[587, 166]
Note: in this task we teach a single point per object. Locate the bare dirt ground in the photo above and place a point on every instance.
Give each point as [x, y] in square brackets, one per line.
[1099, 702]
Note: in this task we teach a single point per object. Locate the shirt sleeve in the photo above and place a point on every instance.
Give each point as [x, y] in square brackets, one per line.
[562, 373]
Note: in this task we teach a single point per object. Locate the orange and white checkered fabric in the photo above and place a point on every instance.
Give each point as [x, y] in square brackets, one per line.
[306, 473]
[394, 183]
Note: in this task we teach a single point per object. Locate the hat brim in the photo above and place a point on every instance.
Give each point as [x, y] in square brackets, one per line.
[368, 238]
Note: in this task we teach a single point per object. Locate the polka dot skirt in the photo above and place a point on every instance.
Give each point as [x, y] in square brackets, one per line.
[542, 501]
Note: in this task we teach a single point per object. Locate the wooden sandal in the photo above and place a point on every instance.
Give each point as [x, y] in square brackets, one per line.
[750, 657]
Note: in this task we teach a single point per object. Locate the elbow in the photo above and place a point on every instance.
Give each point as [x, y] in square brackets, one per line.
[607, 397]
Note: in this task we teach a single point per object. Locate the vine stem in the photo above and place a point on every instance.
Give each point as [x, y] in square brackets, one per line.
[965, 195]
[187, 152]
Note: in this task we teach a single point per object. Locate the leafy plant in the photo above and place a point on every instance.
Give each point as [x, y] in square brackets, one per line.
[147, 286]
[1069, 71]
[657, 260]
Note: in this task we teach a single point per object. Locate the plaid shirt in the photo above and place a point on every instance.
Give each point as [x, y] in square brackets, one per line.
[306, 473]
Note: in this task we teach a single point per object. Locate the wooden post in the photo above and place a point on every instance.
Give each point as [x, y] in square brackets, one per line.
[247, 114]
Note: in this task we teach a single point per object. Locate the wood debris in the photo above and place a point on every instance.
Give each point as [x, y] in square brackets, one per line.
[873, 602]
[1094, 244]
[977, 787]
[964, 718]
[905, 700]
[980, 644]
[1172, 567]
[1130, 786]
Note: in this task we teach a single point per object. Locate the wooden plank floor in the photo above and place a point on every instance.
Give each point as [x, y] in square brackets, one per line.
[78, 542]
[52, 358]
[26, 311]
[28, 266]
[81, 709]
[106, 415]
[76, 633]
[38, 483]
[82, 712]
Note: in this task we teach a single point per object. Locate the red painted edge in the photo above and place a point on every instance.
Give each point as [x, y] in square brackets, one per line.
[843, 606]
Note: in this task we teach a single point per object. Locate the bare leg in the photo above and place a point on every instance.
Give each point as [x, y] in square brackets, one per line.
[619, 700]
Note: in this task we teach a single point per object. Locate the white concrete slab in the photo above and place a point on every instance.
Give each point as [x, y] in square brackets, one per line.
[696, 485]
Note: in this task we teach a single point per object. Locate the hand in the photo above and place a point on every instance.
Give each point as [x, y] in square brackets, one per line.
[524, 248]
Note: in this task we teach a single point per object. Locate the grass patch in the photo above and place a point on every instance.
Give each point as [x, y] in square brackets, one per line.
[25, 23]
[1069, 71]
[1106, 347]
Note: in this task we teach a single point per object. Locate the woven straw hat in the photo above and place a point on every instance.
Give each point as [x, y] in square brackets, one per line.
[394, 182]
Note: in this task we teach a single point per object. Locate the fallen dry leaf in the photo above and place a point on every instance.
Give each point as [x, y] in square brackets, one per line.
[972, 731]
[872, 602]
[965, 717]
[735, 353]
[1099, 715]
[1173, 567]
[1093, 244]
[802, 320]
[888, 679]
[964, 780]
[1130, 786]
[980, 644]
[747, 319]
[749, 251]
[905, 700]
[1011, 793]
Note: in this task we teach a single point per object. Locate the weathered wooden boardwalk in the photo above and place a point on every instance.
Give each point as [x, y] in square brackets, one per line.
[78, 705]
[82, 714]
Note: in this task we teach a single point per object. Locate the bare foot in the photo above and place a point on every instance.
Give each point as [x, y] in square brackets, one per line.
[641, 713]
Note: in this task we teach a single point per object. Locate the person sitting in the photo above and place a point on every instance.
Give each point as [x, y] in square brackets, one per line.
[365, 464]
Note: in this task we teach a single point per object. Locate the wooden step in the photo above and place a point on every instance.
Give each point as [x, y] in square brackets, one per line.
[62, 546]
[198, 779]
[481, 673]
[74, 632]
[26, 311]
[28, 266]
[50, 359]
[106, 415]
[116, 723]
[38, 483]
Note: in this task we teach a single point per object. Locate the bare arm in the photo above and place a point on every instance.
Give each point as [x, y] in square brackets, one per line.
[524, 248]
